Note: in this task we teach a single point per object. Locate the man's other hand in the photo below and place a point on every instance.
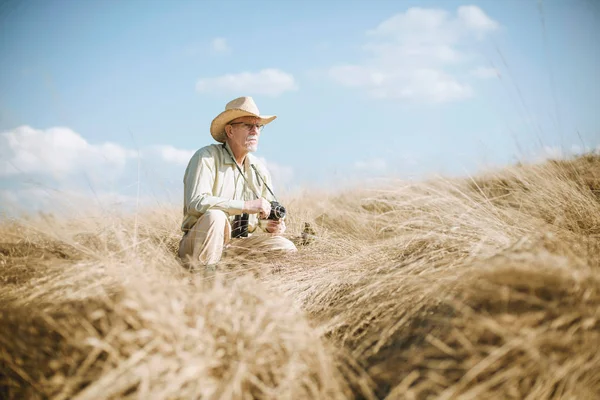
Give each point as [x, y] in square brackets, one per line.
[276, 227]
[259, 206]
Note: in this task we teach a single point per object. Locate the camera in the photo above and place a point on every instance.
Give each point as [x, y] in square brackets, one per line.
[239, 228]
[277, 211]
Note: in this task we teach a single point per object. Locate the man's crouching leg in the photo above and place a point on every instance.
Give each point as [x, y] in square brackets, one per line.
[203, 244]
[260, 245]
[278, 243]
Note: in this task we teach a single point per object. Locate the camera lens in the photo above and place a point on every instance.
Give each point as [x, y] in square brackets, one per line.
[277, 211]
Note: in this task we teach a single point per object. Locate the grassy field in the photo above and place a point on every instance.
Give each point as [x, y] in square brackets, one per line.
[486, 287]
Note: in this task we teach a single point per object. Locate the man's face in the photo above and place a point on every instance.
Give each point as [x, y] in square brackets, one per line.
[241, 136]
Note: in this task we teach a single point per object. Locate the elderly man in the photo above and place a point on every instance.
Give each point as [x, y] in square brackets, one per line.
[228, 192]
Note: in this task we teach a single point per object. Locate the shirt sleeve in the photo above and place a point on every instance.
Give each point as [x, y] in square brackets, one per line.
[198, 182]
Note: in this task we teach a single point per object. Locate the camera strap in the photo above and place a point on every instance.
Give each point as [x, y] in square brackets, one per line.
[240, 170]
[244, 176]
[263, 181]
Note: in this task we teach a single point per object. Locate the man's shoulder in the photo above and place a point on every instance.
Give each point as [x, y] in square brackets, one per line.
[208, 151]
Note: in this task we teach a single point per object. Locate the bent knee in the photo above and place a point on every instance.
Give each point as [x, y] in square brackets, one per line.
[214, 215]
[212, 220]
[282, 244]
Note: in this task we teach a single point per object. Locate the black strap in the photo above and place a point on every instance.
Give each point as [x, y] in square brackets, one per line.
[267, 186]
[241, 172]
[244, 176]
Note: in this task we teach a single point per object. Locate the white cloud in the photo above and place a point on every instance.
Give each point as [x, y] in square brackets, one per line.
[173, 155]
[270, 82]
[60, 150]
[68, 200]
[578, 149]
[409, 55]
[58, 168]
[280, 174]
[475, 19]
[418, 26]
[430, 85]
[372, 165]
[8, 198]
[57, 150]
[553, 153]
[219, 45]
[563, 153]
[484, 72]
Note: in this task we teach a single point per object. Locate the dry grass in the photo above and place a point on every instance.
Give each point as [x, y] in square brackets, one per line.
[475, 288]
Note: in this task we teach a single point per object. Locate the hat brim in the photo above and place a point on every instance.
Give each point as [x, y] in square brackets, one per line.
[217, 127]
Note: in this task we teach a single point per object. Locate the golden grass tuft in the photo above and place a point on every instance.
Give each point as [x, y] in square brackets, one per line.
[485, 287]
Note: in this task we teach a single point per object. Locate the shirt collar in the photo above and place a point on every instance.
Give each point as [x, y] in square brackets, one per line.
[228, 154]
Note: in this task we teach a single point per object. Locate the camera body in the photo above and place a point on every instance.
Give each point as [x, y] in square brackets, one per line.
[239, 227]
[277, 211]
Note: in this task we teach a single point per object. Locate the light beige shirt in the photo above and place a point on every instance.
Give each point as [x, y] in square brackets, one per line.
[212, 181]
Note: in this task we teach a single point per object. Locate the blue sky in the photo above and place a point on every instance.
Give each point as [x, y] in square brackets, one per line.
[111, 98]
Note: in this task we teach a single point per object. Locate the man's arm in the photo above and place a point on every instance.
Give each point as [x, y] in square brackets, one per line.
[198, 181]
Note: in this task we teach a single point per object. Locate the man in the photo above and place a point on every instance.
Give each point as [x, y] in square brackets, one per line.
[225, 185]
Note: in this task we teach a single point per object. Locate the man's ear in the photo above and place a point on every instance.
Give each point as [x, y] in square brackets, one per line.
[227, 130]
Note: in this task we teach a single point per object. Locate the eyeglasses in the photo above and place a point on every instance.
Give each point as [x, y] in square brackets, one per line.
[249, 127]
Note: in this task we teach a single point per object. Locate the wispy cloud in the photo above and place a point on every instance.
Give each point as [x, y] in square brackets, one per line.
[270, 82]
[410, 54]
[281, 175]
[475, 20]
[484, 72]
[69, 200]
[220, 45]
[562, 153]
[173, 155]
[372, 165]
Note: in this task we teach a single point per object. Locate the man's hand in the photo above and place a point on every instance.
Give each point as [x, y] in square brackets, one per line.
[276, 227]
[259, 206]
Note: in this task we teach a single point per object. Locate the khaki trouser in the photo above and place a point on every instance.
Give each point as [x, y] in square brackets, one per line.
[205, 242]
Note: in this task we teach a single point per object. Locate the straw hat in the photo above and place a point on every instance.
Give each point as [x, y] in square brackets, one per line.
[240, 107]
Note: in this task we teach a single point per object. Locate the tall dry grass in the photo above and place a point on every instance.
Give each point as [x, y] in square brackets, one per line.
[487, 287]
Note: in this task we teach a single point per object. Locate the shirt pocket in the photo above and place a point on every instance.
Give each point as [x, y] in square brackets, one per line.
[225, 183]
